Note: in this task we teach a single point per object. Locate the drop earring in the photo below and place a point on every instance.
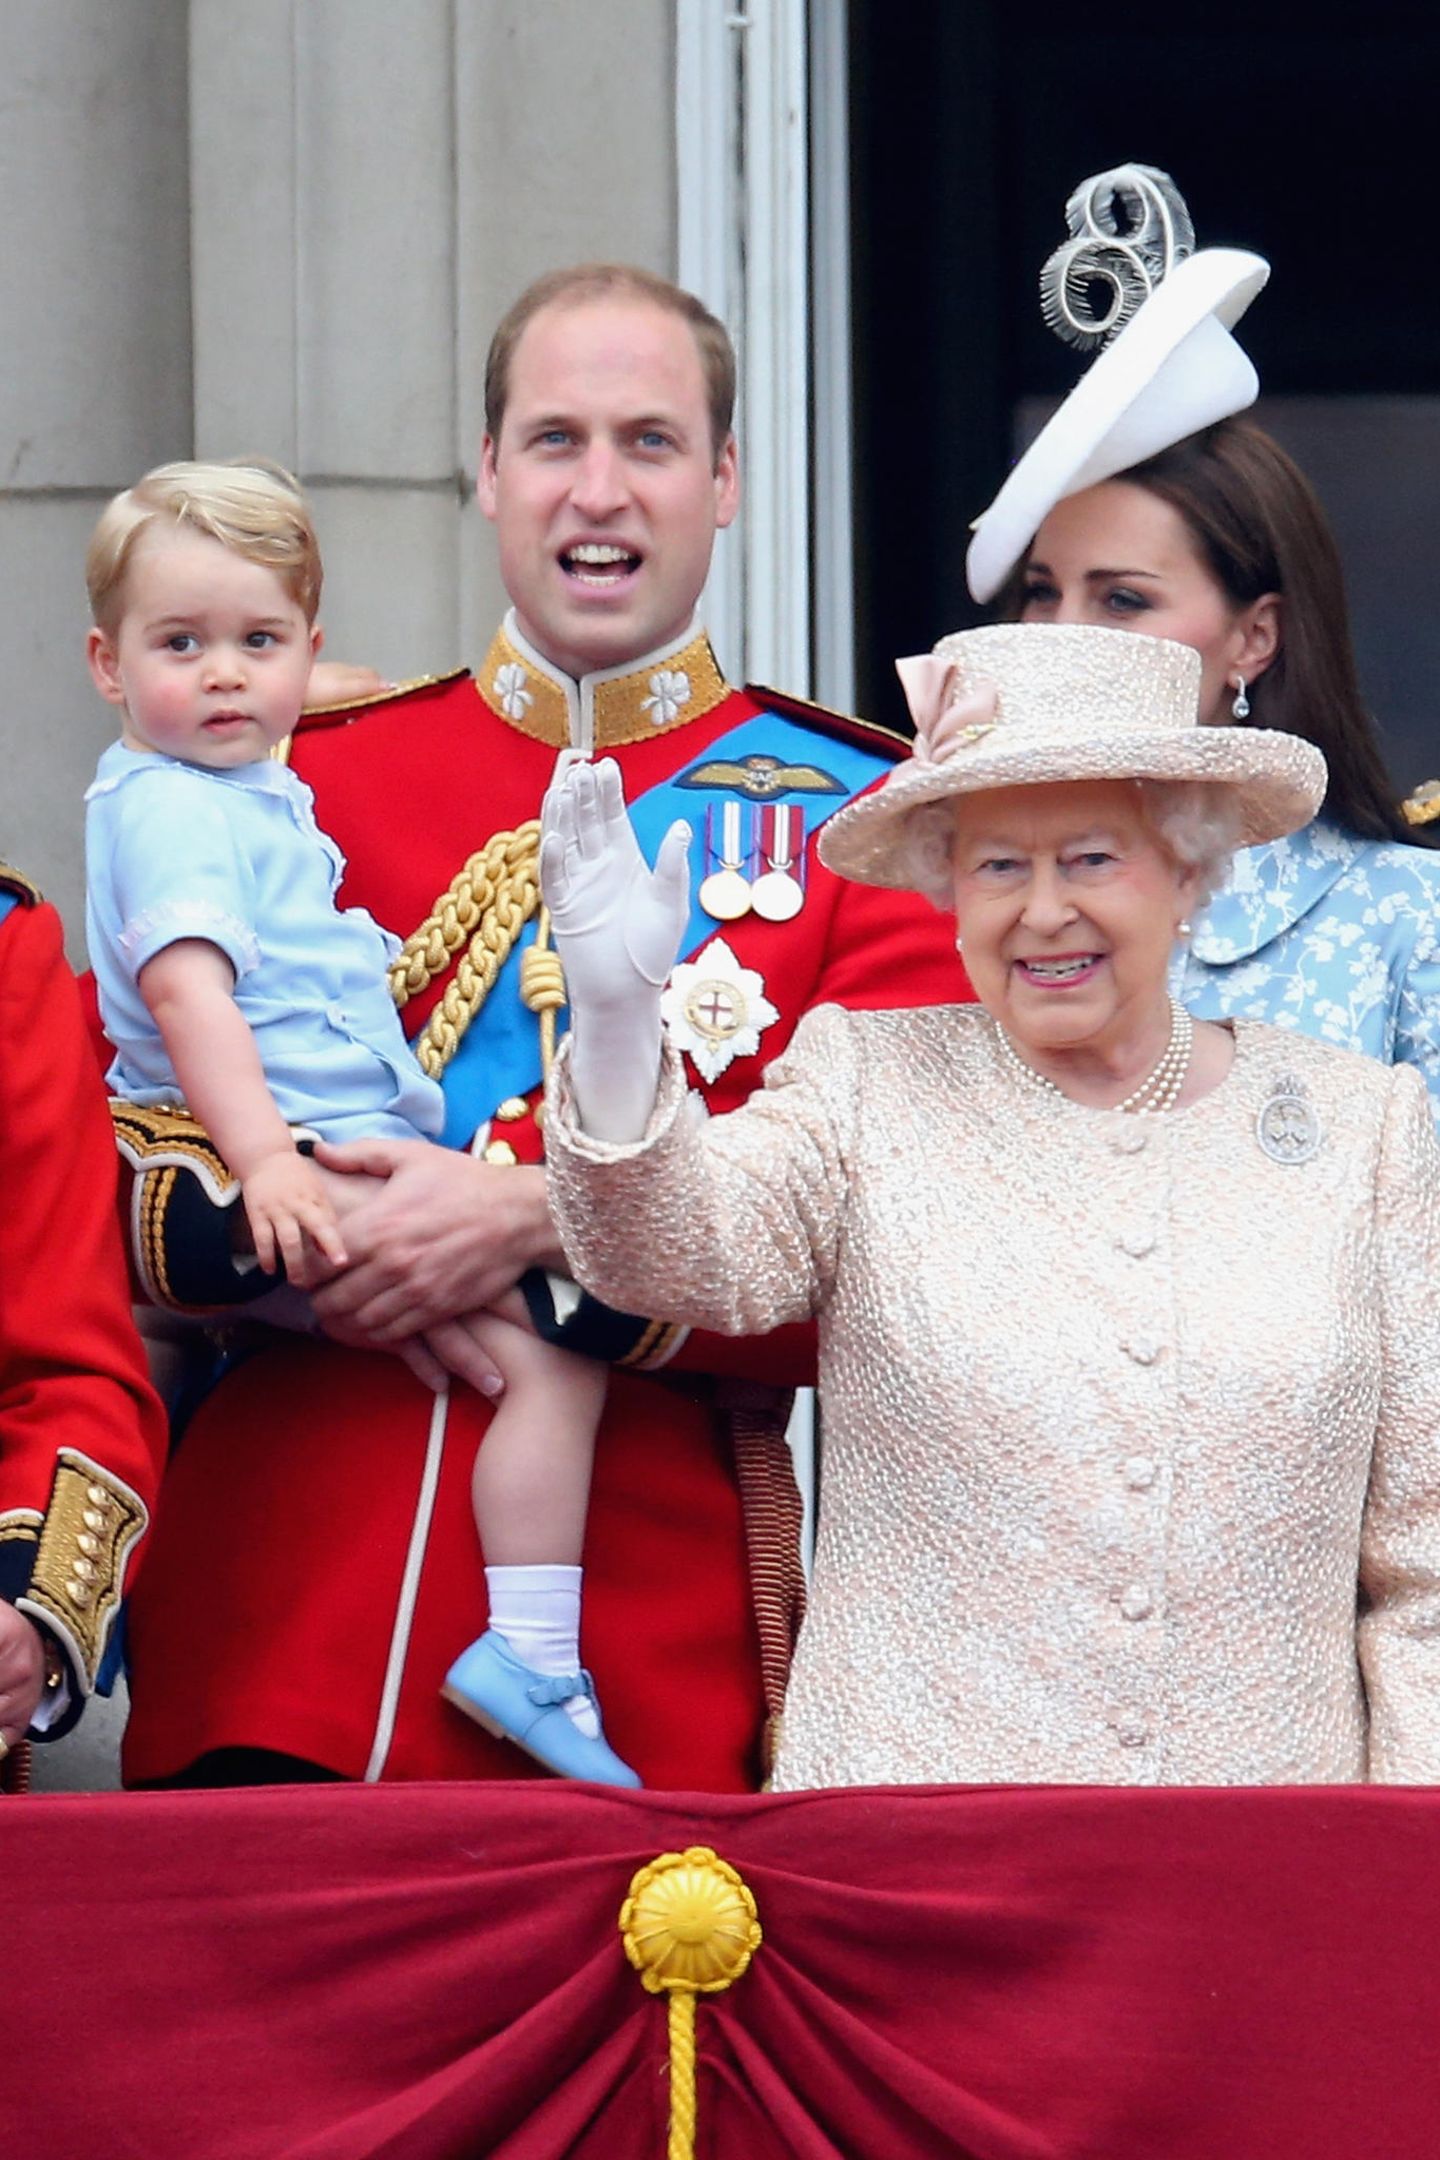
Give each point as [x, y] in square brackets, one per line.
[1241, 706]
[959, 943]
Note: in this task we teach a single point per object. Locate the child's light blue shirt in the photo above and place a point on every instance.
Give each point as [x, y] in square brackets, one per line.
[1332, 935]
[177, 851]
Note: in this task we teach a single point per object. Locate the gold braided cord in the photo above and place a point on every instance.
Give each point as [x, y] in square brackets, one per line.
[680, 2145]
[484, 910]
[690, 1928]
[542, 987]
[427, 952]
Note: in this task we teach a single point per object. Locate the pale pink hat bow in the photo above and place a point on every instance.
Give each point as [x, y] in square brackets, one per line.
[943, 722]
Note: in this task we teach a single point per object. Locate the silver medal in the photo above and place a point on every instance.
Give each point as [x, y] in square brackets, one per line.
[725, 890]
[777, 895]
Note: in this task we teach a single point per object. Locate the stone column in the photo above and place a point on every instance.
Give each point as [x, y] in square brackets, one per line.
[95, 386]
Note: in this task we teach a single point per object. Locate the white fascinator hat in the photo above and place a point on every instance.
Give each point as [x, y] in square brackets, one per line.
[1025, 704]
[1128, 282]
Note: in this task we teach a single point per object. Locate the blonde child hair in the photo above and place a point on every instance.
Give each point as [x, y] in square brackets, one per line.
[250, 506]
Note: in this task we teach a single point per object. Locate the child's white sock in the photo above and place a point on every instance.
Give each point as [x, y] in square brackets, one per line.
[537, 1610]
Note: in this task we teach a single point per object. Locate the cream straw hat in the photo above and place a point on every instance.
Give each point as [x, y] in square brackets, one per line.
[1169, 366]
[1018, 704]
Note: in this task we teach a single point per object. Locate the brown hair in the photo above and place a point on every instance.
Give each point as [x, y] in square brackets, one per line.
[619, 281]
[1260, 529]
[255, 509]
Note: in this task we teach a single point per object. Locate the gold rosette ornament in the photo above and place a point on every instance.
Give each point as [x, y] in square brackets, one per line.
[689, 1928]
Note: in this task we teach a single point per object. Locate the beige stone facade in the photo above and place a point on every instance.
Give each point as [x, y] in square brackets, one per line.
[287, 227]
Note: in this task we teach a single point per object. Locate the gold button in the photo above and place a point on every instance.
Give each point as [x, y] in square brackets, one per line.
[97, 1496]
[513, 1107]
[84, 1568]
[77, 1593]
[499, 1151]
[93, 1519]
[87, 1543]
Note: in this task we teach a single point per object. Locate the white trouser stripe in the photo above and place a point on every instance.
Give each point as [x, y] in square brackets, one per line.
[409, 1589]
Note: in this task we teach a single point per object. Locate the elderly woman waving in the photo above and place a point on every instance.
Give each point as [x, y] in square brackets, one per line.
[1130, 1356]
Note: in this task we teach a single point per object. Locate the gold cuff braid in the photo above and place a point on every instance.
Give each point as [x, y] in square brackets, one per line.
[90, 1527]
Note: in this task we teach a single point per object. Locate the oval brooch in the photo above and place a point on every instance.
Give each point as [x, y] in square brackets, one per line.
[1287, 1128]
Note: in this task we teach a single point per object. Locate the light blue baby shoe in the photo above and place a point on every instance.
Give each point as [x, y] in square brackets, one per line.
[513, 1701]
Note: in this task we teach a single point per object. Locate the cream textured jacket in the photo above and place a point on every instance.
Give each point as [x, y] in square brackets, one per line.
[1122, 1414]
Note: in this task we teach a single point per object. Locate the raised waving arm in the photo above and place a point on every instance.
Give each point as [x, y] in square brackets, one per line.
[618, 926]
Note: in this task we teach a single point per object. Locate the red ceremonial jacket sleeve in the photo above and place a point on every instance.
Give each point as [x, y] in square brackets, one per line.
[82, 1435]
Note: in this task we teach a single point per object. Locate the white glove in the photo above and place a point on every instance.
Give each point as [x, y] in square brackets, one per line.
[618, 926]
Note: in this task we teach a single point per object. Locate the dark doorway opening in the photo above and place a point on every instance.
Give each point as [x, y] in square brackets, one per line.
[970, 124]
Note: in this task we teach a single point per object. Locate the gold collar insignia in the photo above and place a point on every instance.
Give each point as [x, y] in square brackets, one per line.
[601, 711]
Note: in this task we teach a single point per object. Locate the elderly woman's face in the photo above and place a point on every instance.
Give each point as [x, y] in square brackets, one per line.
[1067, 908]
[1121, 557]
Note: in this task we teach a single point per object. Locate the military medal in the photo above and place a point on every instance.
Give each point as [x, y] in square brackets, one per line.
[725, 890]
[777, 895]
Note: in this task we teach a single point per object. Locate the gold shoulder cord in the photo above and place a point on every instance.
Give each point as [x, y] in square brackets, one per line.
[483, 909]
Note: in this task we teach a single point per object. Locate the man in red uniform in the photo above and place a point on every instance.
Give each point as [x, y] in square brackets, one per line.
[81, 1433]
[316, 1569]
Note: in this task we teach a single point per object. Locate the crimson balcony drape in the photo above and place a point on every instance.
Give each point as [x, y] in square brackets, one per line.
[435, 1973]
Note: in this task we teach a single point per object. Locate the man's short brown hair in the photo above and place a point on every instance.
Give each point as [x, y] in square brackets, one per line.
[615, 281]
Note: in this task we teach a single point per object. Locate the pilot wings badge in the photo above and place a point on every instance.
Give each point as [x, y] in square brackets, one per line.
[761, 777]
[716, 1010]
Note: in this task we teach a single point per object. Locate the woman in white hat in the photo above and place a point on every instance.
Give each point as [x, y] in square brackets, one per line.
[1145, 504]
[1129, 1354]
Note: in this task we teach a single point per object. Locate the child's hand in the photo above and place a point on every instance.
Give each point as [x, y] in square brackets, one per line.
[291, 1218]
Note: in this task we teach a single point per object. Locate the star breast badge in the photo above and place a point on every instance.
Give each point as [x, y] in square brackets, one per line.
[716, 1010]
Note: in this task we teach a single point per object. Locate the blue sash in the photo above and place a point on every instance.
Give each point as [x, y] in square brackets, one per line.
[8, 900]
[499, 1053]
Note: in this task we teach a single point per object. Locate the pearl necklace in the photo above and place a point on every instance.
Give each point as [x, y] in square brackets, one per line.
[1158, 1091]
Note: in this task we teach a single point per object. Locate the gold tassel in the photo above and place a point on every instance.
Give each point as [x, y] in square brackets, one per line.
[689, 1928]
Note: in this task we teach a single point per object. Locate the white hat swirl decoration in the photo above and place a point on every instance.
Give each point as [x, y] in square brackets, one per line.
[1128, 281]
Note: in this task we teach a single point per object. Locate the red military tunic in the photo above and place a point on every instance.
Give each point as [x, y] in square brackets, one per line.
[316, 1566]
[82, 1435]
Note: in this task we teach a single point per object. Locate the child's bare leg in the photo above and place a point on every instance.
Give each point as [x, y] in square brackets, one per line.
[531, 1482]
[531, 1487]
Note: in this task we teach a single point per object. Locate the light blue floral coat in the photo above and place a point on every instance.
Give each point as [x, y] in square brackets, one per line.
[1334, 936]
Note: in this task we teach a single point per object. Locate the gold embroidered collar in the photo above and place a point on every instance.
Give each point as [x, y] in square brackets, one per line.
[619, 705]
